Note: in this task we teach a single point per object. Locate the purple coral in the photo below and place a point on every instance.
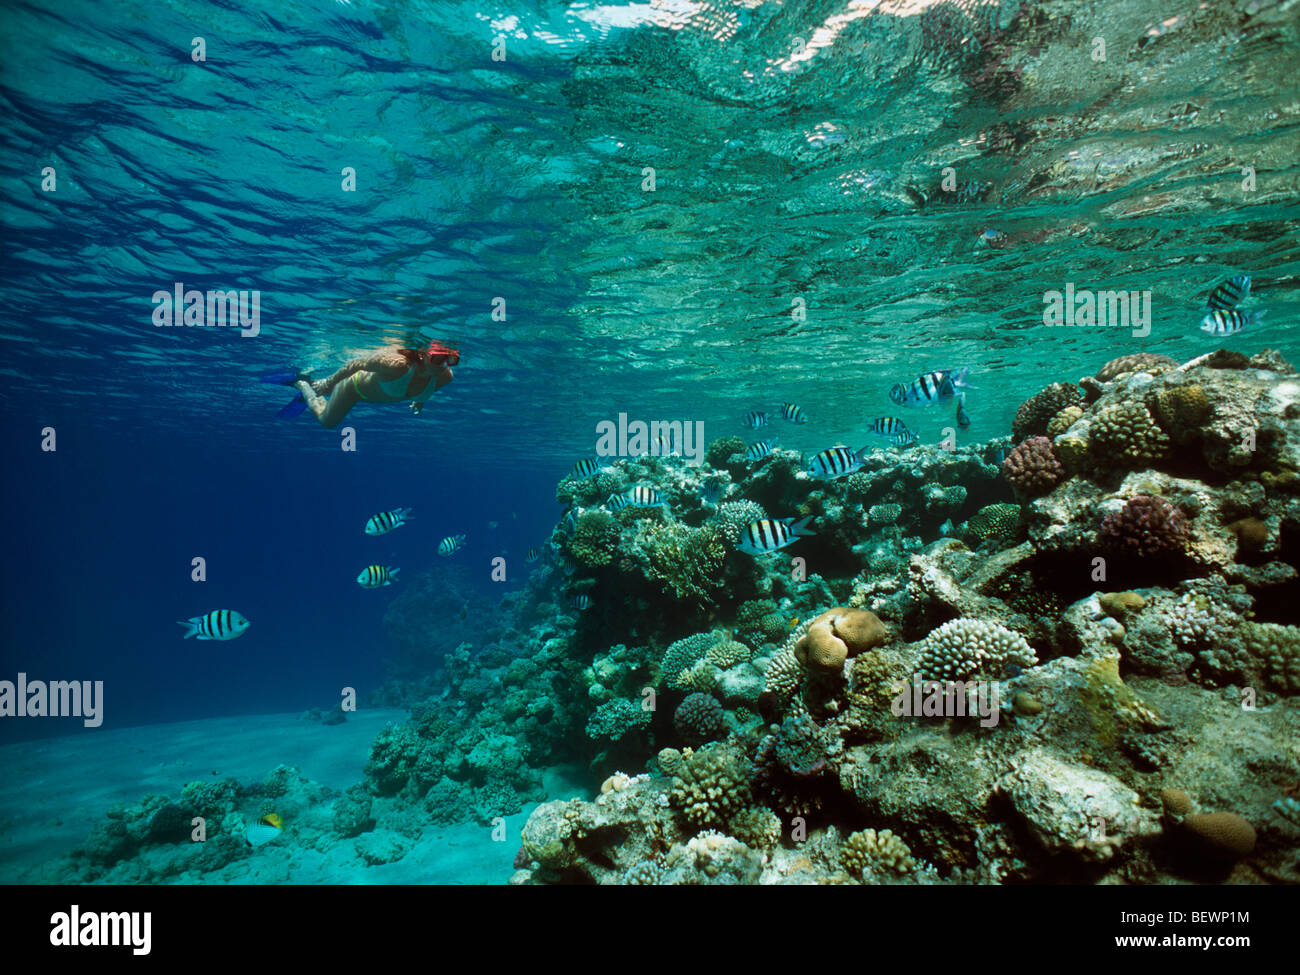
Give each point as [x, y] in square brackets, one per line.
[1146, 525]
[700, 718]
[1032, 468]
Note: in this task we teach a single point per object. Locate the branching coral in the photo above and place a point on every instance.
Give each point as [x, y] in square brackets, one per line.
[1036, 412]
[964, 649]
[1146, 526]
[686, 562]
[685, 654]
[699, 718]
[758, 622]
[1063, 421]
[616, 718]
[1032, 468]
[1125, 435]
[712, 785]
[1277, 648]
[993, 521]
[728, 653]
[757, 827]
[595, 539]
[882, 851]
[733, 516]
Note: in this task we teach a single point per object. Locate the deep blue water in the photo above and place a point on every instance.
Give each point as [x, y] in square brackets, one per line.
[102, 534]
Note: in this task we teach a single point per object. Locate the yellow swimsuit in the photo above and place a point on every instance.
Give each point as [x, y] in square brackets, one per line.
[394, 387]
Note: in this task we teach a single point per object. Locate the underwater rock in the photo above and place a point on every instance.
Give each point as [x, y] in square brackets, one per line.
[1062, 804]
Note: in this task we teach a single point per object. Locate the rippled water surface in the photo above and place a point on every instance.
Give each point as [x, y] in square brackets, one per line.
[689, 209]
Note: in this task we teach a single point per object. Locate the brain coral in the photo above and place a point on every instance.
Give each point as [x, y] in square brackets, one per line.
[1032, 468]
[1137, 362]
[994, 521]
[1224, 834]
[699, 718]
[963, 649]
[1146, 525]
[1037, 411]
[1277, 648]
[712, 785]
[877, 851]
[1126, 435]
[670, 761]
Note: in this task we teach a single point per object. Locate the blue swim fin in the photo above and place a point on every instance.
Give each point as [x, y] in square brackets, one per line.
[294, 407]
[282, 377]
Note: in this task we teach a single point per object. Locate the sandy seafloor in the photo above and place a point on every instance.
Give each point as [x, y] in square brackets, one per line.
[53, 791]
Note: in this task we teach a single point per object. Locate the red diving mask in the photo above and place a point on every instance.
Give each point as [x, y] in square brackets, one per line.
[437, 351]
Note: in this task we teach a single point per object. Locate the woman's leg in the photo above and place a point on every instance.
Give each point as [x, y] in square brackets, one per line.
[329, 411]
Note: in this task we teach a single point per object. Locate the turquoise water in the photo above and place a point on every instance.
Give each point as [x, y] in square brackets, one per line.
[679, 210]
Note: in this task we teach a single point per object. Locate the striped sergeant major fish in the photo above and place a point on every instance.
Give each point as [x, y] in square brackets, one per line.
[887, 426]
[1229, 294]
[759, 450]
[771, 534]
[584, 468]
[532, 555]
[569, 520]
[664, 443]
[386, 521]
[220, 624]
[450, 544]
[963, 418]
[836, 462]
[755, 419]
[637, 496]
[904, 438]
[939, 386]
[793, 413]
[582, 601]
[375, 576]
[1228, 322]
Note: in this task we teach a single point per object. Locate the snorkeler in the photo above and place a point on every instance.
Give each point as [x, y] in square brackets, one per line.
[387, 376]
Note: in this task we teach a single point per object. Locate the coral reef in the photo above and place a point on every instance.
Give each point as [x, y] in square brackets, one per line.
[1032, 468]
[1036, 412]
[1146, 526]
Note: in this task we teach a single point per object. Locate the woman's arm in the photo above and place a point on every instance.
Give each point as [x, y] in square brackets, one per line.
[441, 377]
